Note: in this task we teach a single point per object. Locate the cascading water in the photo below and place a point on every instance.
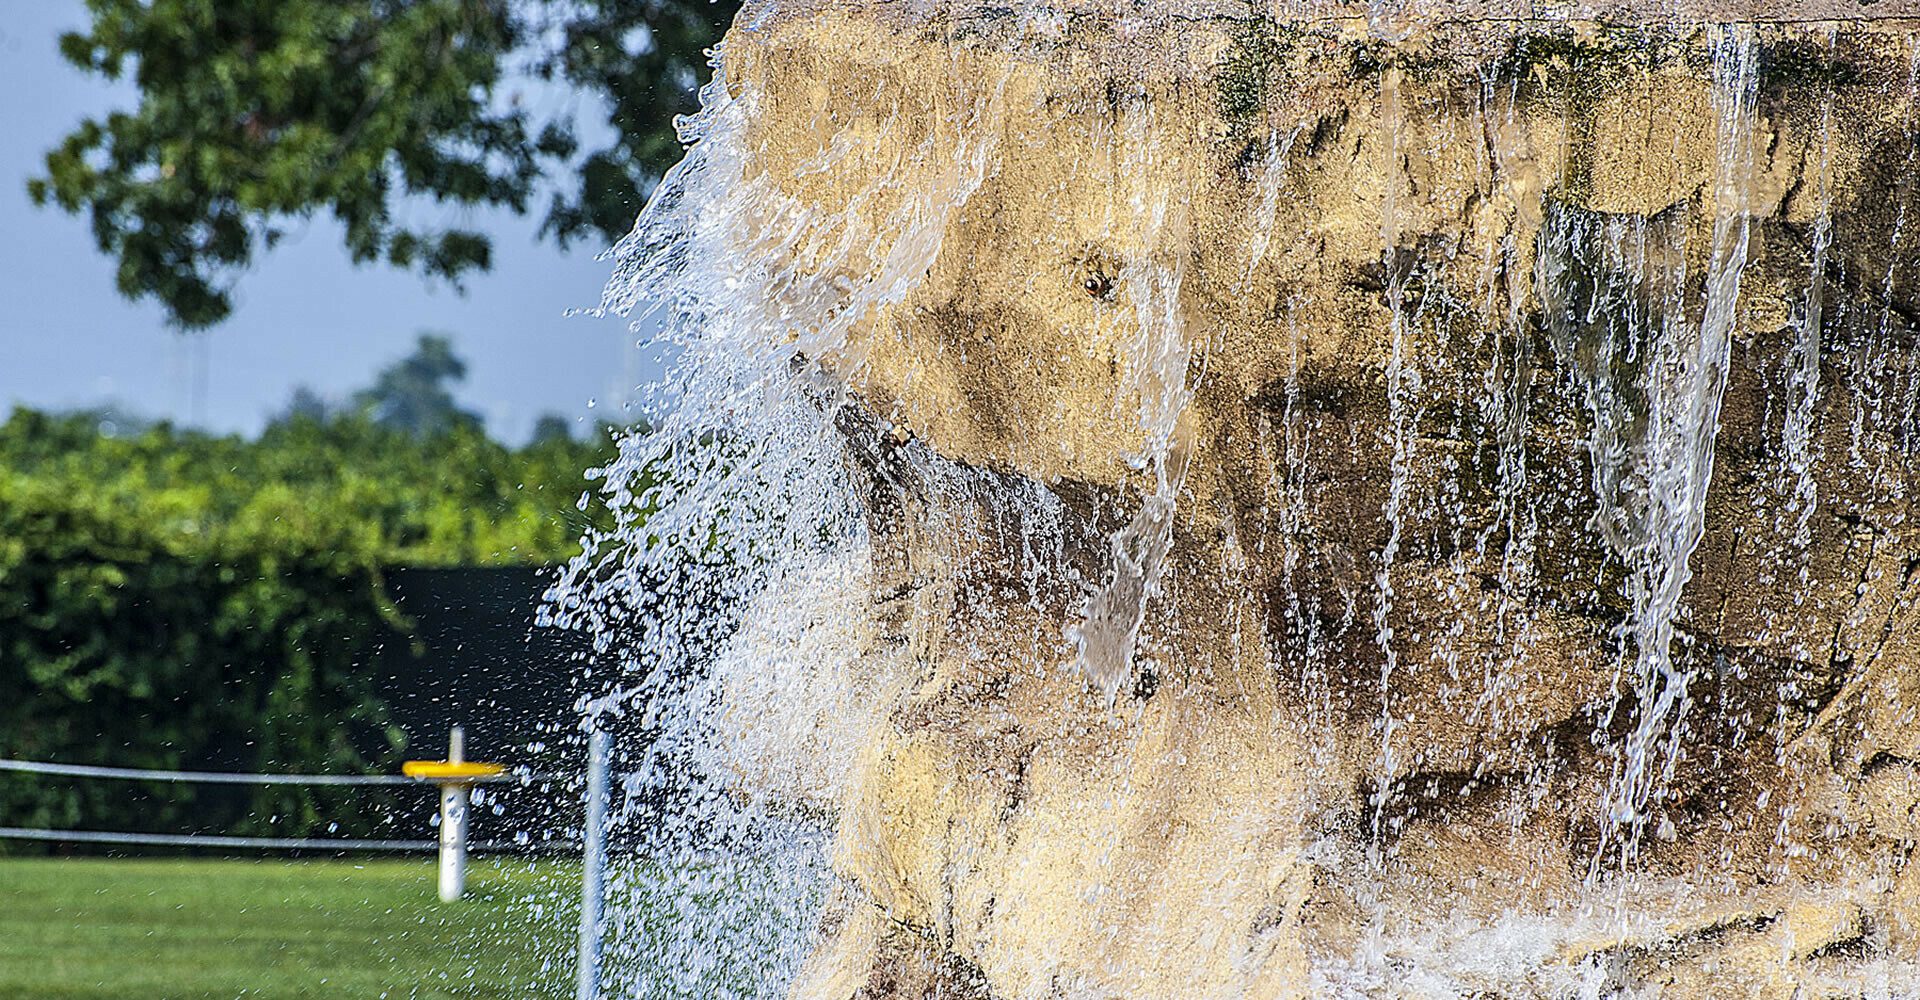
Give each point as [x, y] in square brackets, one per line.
[1613, 292]
[1191, 502]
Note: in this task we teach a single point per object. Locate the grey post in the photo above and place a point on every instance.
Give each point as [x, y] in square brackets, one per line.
[593, 866]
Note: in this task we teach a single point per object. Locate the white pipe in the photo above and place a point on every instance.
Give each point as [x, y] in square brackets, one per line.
[593, 867]
[454, 801]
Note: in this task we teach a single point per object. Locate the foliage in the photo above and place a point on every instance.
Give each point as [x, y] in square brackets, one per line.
[410, 396]
[254, 113]
[209, 602]
[552, 427]
[366, 493]
[648, 58]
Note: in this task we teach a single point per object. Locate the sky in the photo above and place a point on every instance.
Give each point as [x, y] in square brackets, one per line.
[305, 314]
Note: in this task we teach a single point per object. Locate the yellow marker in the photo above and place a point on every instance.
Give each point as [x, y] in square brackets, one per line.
[455, 770]
[456, 777]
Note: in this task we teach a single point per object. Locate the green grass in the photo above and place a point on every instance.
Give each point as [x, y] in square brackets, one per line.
[119, 929]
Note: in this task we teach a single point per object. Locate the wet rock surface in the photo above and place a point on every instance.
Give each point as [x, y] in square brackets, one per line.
[1361, 516]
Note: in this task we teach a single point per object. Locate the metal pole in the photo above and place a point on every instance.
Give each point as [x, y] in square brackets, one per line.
[593, 867]
[454, 797]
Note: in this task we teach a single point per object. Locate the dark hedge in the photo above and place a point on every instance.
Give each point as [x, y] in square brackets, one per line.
[177, 600]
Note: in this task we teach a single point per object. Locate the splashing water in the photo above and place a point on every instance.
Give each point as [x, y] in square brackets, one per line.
[741, 478]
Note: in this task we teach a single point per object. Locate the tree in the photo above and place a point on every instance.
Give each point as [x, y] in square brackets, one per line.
[552, 427]
[255, 113]
[305, 405]
[410, 395]
[648, 57]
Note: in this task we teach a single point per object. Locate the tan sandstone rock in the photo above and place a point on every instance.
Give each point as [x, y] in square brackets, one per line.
[1332, 296]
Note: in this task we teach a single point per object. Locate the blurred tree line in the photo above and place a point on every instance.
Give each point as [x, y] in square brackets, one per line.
[257, 113]
[211, 602]
[175, 599]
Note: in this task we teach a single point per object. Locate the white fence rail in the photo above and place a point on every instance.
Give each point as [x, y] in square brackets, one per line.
[452, 843]
[131, 838]
[219, 840]
[238, 777]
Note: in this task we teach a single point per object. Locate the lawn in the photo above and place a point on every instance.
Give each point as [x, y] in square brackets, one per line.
[119, 929]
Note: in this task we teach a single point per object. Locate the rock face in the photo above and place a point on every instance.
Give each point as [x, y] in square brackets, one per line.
[1398, 507]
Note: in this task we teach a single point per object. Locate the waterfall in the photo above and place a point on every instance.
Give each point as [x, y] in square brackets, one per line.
[1613, 290]
[1156, 357]
[1803, 378]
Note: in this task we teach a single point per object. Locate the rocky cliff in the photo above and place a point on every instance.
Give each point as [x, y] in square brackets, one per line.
[1394, 505]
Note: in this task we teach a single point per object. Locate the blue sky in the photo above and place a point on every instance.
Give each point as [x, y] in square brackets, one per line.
[305, 315]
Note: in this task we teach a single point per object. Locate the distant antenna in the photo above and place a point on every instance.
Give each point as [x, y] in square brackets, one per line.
[191, 359]
[201, 366]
